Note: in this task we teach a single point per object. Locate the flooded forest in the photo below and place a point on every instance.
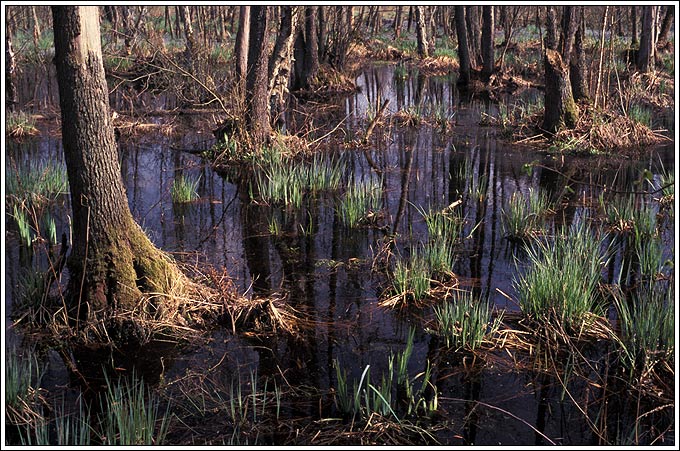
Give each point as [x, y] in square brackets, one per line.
[339, 225]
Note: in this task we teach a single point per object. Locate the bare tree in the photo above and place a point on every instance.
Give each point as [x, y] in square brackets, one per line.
[257, 99]
[647, 53]
[242, 37]
[463, 52]
[487, 42]
[421, 32]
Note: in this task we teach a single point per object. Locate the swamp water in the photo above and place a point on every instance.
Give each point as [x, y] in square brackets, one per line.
[326, 270]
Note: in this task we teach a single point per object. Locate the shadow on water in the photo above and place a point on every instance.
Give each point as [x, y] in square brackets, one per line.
[325, 268]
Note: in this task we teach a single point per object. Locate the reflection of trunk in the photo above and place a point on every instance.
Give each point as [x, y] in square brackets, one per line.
[577, 63]
[560, 109]
[645, 59]
[10, 75]
[405, 181]
[256, 246]
[421, 32]
[463, 53]
[242, 37]
[487, 42]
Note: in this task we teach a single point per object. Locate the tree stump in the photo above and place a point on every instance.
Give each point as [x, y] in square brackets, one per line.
[560, 109]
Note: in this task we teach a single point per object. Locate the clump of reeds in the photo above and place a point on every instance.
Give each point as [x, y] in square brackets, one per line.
[647, 328]
[184, 189]
[283, 180]
[34, 183]
[361, 201]
[22, 382]
[406, 398]
[410, 279]
[131, 416]
[562, 281]
[464, 322]
[20, 125]
[524, 217]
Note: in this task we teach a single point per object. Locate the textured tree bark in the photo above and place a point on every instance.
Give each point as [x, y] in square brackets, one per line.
[463, 52]
[242, 37]
[550, 28]
[311, 47]
[560, 109]
[662, 39]
[633, 26]
[257, 99]
[567, 32]
[10, 75]
[474, 35]
[577, 64]
[421, 32]
[112, 261]
[646, 55]
[487, 42]
[281, 60]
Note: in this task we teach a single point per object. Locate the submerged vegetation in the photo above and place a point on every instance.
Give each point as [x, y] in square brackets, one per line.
[389, 237]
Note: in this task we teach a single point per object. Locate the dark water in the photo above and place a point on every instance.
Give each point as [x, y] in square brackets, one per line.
[328, 272]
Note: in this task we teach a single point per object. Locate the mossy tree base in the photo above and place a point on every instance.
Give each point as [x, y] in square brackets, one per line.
[560, 109]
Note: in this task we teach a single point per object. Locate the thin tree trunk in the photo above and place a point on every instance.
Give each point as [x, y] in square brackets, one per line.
[599, 68]
[10, 75]
[662, 39]
[463, 52]
[36, 28]
[311, 47]
[633, 26]
[168, 22]
[646, 55]
[421, 32]
[487, 42]
[242, 38]
[550, 29]
[257, 101]
[577, 64]
[397, 22]
[281, 60]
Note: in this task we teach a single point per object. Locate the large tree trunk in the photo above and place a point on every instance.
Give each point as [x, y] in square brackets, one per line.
[463, 52]
[633, 26]
[560, 109]
[397, 22]
[257, 99]
[242, 37]
[112, 262]
[474, 35]
[577, 63]
[487, 42]
[421, 32]
[567, 32]
[646, 55]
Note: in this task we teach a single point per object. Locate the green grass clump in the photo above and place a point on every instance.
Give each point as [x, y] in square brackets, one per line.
[647, 327]
[131, 416]
[465, 322]
[562, 281]
[411, 277]
[361, 200]
[640, 114]
[184, 189]
[20, 125]
[34, 183]
[21, 373]
[524, 217]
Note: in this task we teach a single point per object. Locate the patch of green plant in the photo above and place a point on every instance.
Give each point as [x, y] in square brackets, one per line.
[411, 277]
[131, 415]
[19, 124]
[361, 199]
[524, 217]
[409, 397]
[22, 375]
[464, 322]
[69, 429]
[446, 52]
[562, 281]
[184, 189]
[26, 233]
[400, 72]
[640, 114]
[647, 327]
[34, 183]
